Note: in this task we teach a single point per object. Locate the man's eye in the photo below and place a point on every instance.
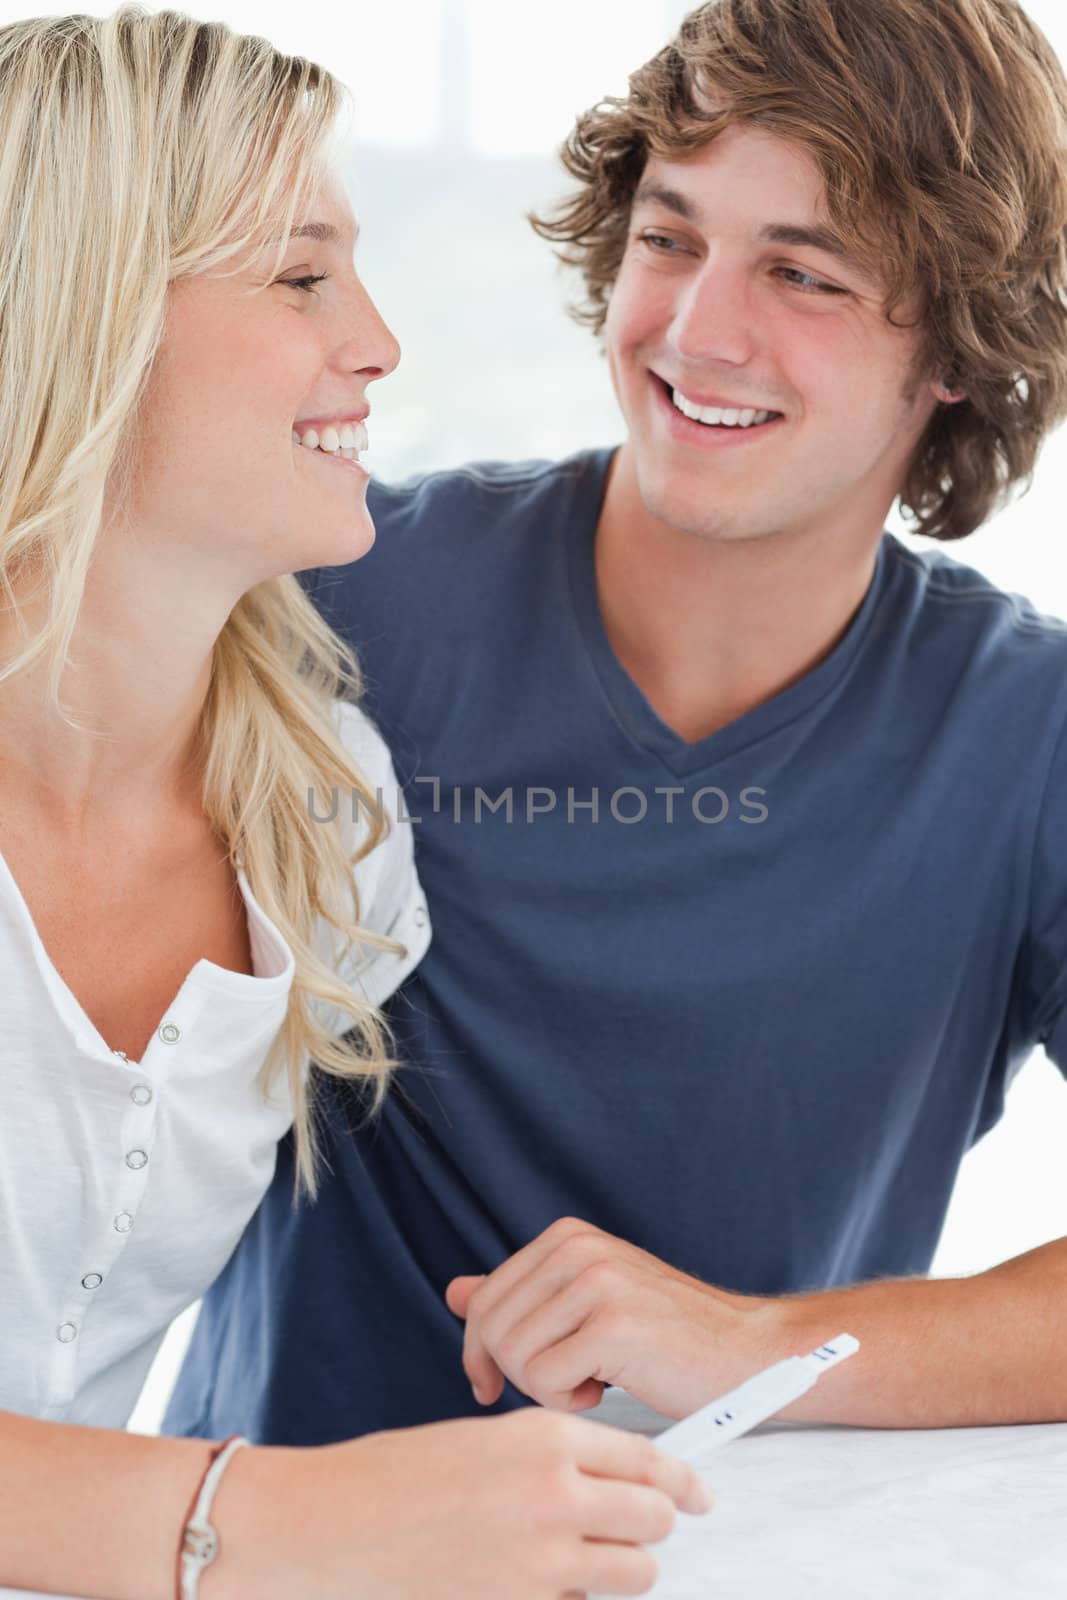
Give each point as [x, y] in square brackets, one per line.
[663, 244]
[305, 282]
[816, 286]
[660, 242]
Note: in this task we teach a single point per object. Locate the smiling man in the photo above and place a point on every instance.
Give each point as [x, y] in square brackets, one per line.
[741, 822]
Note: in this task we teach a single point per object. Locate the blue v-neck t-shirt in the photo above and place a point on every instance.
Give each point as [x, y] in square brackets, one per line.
[745, 1002]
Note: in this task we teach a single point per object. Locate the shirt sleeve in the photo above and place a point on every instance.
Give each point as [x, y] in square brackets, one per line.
[1046, 967]
[391, 901]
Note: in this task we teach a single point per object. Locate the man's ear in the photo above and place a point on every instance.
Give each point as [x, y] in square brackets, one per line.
[946, 394]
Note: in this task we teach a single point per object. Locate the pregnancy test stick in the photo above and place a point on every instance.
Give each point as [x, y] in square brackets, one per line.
[760, 1397]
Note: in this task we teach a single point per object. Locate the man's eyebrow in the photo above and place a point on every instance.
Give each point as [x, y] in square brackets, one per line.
[814, 236]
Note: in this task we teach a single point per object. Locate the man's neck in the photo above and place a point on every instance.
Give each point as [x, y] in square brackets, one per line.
[711, 628]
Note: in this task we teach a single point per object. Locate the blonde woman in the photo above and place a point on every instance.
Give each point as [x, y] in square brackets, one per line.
[179, 933]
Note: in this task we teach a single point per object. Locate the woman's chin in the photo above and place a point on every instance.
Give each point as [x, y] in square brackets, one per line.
[350, 542]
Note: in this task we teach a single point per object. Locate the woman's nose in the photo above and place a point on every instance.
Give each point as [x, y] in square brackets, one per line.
[378, 350]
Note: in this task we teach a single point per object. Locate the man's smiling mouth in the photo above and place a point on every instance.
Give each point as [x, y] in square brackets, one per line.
[741, 419]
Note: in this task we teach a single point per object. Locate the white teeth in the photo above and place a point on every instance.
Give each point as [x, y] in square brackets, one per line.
[348, 440]
[716, 417]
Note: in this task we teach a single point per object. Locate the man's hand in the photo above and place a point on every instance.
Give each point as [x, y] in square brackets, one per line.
[578, 1309]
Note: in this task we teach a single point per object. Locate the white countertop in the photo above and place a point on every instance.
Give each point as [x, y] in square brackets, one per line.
[806, 1512]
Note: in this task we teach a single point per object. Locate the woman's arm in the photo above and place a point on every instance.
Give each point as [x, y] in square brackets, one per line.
[534, 1504]
[93, 1512]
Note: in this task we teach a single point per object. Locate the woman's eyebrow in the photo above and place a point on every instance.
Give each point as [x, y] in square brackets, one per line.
[324, 232]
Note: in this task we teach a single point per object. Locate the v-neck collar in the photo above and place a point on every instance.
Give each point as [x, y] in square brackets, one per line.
[632, 710]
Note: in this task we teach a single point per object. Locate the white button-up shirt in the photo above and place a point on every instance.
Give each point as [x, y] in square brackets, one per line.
[124, 1186]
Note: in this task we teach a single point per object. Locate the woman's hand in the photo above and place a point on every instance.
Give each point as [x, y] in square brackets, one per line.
[534, 1505]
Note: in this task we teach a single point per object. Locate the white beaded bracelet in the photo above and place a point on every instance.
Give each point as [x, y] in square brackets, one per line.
[200, 1541]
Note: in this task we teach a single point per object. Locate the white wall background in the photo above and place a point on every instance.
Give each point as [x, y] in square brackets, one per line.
[460, 105]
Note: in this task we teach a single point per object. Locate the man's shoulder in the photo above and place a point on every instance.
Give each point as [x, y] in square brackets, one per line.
[951, 599]
[432, 528]
[481, 496]
[450, 546]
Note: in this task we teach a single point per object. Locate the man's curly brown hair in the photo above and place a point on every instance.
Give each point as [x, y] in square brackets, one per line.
[940, 130]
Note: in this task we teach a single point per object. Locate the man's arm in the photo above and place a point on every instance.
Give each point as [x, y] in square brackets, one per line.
[946, 1353]
[578, 1309]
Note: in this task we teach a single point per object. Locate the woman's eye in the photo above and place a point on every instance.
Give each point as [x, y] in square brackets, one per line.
[305, 282]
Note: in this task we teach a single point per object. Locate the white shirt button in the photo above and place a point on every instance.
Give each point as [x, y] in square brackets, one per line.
[170, 1033]
[140, 1094]
[136, 1159]
[92, 1280]
[123, 1222]
[420, 916]
[66, 1332]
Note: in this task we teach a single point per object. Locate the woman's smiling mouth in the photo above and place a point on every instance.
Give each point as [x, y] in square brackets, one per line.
[343, 443]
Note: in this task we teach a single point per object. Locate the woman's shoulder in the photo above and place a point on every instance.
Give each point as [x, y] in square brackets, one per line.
[364, 743]
[391, 900]
[382, 799]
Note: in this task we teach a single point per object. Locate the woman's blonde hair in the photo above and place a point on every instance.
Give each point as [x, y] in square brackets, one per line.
[939, 128]
[136, 149]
